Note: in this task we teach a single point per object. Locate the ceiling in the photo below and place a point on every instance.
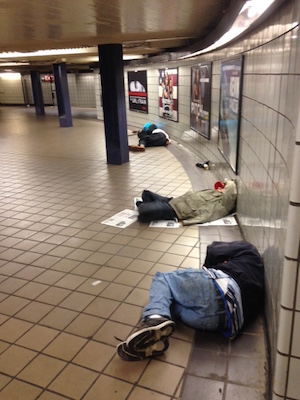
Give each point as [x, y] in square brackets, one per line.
[146, 28]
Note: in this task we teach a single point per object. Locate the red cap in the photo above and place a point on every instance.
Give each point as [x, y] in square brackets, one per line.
[219, 185]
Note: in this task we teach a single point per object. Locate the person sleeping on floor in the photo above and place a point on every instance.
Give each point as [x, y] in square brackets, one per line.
[192, 207]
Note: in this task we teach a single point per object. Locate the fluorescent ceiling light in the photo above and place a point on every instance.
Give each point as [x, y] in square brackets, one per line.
[59, 52]
[10, 75]
[249, 13]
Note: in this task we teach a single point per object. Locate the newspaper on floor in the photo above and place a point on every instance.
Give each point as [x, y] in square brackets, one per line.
[226, 221]
[164, 224]
[122, 219]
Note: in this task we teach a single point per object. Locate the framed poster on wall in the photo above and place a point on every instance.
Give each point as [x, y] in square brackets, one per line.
[168, 93]
[200, 99]
[137, 91]
[231, 79]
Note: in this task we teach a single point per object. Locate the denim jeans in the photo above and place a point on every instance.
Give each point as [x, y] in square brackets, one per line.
[189, 295]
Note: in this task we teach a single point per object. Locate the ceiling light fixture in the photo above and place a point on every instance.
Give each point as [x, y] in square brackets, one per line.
[249, 13]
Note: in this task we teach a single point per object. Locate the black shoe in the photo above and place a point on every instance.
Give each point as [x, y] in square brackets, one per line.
[157, 349]
[152, 330]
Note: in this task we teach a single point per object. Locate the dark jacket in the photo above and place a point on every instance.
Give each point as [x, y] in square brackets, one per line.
[242, 261]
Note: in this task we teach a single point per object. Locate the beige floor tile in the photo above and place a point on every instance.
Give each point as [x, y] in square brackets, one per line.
[116, 291]
[107, 273]
[161, 377]
[141, 393]
[128, 371]
[4, 380]
[140, 242]
[37, 338]
[92, 286]
[150, 255]
[138, 297]
[171, 259]
[3, 346]
[129, 251]
[114, 389]
[111, 248]
[51, 396]
[31, 290]
[59, 318]
[145, 283]
[158, 267]
[183, 332]
[167, 237]
[11, 285]
[178, 352]
[142, 267]
[60, 251]
[65, 346]
[70, 281]
[179, 249]
[191, 262]
[159, 246]
[111, 332]
[11, 268]
[129, 278]
[74, 381]
[11, 305]
[119, 262]
[95, 356]
[17, 390]
[42, 370]
[77, 301]
[13, 328]
[85, 325]
[64, 265]
[127, 314]
[99, 258]
[49, 277]
[102, 307]
[85, 269]
[54, 295]
[14, 359]
[29, 273]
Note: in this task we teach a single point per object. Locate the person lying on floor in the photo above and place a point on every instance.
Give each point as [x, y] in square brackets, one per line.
[191, 208]
[151, 136]
[225, 295]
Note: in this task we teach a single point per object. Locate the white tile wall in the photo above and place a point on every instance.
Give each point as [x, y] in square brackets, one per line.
[269, 115]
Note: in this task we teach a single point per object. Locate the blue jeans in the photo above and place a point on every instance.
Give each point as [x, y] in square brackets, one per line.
[189, 295]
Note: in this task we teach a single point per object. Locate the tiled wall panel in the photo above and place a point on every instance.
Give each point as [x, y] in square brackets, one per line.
[270, 105]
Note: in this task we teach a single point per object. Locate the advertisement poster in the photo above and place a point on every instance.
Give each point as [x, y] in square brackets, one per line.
[137, 90]
[229, 113]
[200, 99]
[168, 93]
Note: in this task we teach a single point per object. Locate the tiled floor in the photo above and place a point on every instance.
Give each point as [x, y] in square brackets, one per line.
[70, 286]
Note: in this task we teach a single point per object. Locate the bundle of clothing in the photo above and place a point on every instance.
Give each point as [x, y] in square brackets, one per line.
[151, 136]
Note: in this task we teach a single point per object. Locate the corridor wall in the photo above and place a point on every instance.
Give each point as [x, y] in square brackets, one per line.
[270, 107]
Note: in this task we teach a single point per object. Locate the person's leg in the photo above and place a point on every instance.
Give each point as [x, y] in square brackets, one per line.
[195, 299]
[155, 211]
[149, 196]
[191, 294]
[151, 339]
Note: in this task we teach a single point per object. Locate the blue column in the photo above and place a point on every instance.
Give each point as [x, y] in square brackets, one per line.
[62, 95]
[114, 106]
[37, 93]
